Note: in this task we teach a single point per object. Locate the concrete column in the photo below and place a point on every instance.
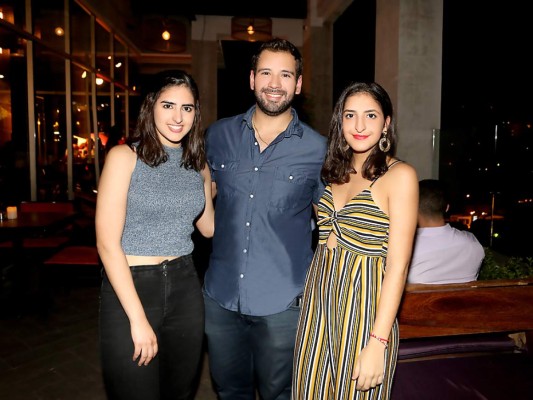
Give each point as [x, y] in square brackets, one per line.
[409, 67]
[317, 76]
[318, 60]
[204, 71]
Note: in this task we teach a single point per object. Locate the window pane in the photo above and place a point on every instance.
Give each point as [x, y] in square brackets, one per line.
[49, 22]
[51, 130]
[83, 168]
[80, 27]
[14, 166]
[103, 50]
[120, 62]
[12, 11]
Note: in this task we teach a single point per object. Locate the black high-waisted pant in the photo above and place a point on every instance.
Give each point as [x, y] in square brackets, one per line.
[172, 299]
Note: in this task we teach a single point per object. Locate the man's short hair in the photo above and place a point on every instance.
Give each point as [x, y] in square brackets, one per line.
[432, 197]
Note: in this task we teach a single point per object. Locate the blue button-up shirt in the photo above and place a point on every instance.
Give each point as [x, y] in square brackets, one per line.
[263, 221]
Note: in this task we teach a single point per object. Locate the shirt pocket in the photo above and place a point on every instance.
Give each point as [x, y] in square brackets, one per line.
[224, 172]
[289, 188]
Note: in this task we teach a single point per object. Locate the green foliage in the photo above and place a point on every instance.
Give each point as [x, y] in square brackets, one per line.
[510, 268]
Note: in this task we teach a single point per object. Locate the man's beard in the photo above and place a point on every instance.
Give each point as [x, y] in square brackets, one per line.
[270, 108]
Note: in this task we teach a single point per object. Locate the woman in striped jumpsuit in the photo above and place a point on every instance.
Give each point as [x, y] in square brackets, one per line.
[347, 339]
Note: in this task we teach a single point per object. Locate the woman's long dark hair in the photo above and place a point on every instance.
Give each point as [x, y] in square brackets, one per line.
[145, 138]
[338, 163]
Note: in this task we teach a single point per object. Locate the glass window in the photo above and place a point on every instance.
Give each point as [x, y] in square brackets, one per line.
[14, 162]
[118, 131]
[12, 11]
[49, 22]
[51, 129]
[103, 50]
[103, 112]
[80, 28]
[83, 169]
[121, 59]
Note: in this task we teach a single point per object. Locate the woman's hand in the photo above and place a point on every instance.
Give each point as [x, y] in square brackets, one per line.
[145, 343]
[369, 366]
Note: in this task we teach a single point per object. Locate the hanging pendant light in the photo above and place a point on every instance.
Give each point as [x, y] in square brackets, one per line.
[166, 35]
[251, 29]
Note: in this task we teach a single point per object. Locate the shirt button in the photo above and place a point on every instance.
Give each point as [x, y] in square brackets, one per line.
[222, 166]
[245, 251]
[291, 177]
[256, 169]
[255, 143]
[247, 224]
[242, 276]
[251, 196]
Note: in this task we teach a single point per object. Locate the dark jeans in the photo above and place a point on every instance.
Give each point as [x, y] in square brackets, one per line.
[172, 299]
[244, 349]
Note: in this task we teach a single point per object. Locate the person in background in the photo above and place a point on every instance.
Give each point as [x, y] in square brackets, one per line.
[266, 166]
[347, 338]
[152, 191]
[441, 254]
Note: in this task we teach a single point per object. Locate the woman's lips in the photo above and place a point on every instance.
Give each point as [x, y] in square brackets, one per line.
[359, 137]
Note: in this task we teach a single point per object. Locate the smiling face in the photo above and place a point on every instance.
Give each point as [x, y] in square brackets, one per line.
[174, 113]
[363, 122]
[274, 82]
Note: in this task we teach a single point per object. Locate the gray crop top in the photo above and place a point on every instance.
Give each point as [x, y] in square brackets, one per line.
[162, 204]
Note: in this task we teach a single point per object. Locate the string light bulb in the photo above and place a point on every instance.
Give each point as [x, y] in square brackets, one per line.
[165, 35]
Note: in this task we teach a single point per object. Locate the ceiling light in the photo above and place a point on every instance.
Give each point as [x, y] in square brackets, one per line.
[168, 34]
[251, 29]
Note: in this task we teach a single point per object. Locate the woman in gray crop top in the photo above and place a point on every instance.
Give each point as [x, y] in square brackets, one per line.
[153, 191]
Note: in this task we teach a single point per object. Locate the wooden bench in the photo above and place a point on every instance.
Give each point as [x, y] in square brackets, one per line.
[467, 308]
[455, 343]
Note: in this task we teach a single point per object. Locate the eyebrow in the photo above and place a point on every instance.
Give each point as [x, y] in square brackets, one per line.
[172, 103]
[372, 110]
[286, 71]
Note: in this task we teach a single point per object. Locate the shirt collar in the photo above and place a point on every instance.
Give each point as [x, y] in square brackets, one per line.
[433, 231]
[294, 128]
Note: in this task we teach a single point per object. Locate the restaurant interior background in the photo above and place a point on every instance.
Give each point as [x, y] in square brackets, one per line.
[68, 81]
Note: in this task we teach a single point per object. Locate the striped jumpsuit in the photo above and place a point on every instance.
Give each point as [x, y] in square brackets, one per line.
[341, 294]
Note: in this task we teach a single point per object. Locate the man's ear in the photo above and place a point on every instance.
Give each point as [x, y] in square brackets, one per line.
[252, 80]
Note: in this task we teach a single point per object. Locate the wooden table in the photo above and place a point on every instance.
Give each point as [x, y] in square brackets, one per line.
[33, 223]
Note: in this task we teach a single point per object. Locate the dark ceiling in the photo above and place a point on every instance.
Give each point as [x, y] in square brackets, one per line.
[271, 8]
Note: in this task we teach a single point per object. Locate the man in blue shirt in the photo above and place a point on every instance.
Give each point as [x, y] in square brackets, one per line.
[266, 166]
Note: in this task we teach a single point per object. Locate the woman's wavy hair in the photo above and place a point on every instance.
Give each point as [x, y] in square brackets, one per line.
[338, 163]
[145, 139]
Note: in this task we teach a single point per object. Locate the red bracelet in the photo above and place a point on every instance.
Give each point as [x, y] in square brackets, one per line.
[381, 340]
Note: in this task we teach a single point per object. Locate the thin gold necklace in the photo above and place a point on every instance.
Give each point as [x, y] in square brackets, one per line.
[257, 131]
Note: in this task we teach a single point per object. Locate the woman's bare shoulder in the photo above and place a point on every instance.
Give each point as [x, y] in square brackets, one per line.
[120, 159]
[121, 150]
[401, 173]
[400, 167]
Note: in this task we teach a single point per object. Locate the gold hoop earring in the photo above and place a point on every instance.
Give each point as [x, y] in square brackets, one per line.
[384, 143]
